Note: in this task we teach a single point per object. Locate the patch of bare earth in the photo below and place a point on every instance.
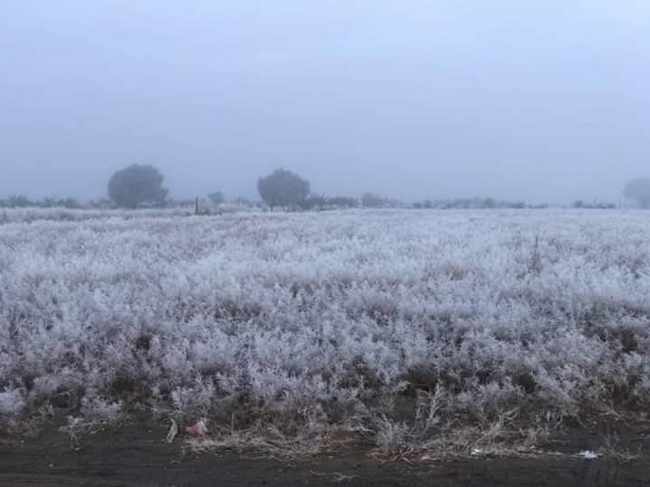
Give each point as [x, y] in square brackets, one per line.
[137, 455]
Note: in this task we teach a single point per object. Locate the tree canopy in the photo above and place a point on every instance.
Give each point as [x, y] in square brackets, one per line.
[283, 188]
[137, 185]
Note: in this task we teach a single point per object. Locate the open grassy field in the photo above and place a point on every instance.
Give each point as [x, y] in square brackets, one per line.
[449, 331]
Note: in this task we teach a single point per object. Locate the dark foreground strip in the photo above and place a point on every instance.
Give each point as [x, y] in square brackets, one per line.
[11, 480]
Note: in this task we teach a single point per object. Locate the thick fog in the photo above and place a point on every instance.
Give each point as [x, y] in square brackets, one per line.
[541, 101]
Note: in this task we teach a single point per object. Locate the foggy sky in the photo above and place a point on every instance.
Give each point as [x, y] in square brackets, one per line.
[542, 101]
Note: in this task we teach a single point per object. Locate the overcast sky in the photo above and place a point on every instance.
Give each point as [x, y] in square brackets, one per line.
[544, 100]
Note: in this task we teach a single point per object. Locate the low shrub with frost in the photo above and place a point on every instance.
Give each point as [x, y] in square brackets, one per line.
[284, 320]
[95, 414]
[11, 403]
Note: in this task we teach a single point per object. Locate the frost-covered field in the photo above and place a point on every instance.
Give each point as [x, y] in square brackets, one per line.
[396, 324]
[31, 214]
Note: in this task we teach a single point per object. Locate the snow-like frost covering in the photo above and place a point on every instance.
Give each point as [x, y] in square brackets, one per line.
[31, 214]
[327, 315]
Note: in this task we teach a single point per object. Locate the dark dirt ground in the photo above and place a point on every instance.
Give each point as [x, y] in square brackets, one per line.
[137, 456]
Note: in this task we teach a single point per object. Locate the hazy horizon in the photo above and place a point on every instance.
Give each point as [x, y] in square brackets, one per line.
[542, 102]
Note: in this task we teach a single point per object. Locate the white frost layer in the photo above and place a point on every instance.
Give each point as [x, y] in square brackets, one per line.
[331, 312]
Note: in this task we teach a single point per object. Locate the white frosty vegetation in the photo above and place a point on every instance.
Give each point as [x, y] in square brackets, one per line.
[392, 323]
[32, 214]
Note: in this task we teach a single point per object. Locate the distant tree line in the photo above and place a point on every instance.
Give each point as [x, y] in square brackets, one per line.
[141, 186]
[473, 203]
[22, 201]
[581, 204]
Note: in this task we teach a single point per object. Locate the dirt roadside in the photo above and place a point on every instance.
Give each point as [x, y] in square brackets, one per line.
[139, 457]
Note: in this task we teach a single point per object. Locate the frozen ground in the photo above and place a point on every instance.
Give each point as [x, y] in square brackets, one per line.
[399, 326]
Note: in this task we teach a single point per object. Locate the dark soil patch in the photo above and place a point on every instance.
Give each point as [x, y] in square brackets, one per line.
[137, 456]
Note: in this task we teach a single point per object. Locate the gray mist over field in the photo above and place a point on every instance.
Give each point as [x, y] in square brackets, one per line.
[542, 101]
